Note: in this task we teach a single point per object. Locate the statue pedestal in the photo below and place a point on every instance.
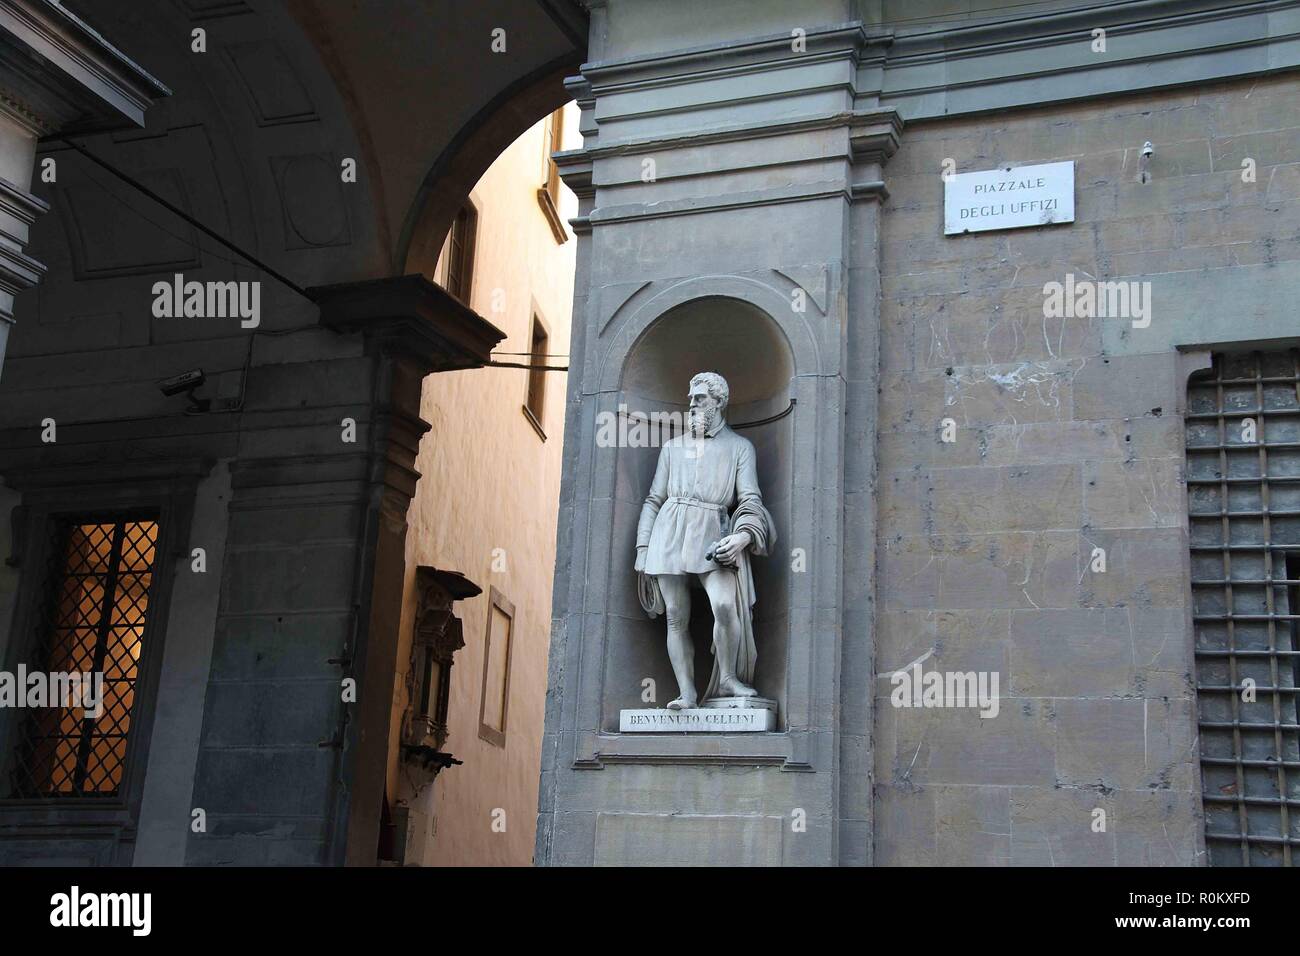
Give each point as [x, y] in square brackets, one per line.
[721, 715]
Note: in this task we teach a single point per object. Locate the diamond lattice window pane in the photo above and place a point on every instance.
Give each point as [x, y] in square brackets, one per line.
[95, 600]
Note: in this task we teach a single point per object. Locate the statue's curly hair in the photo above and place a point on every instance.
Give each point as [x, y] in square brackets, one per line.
[716, 384]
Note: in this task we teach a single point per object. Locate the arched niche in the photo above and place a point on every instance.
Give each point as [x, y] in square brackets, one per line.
[750, 350]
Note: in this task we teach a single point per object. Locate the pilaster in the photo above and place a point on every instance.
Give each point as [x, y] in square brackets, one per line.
[307, 631]
[738, 185]
[57, 77]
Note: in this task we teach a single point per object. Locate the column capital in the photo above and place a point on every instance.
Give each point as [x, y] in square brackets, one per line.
[874, 135]
[576, 169]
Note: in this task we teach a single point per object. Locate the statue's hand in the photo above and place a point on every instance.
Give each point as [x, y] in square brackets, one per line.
[731, 547]
[640, 558]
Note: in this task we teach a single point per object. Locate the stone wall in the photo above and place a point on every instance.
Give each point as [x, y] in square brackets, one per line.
[1069, 437]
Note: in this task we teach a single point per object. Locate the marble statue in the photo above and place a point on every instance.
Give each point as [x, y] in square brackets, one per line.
[704, 516]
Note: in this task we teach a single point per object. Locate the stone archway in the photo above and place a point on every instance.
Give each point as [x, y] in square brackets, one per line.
[302, 531]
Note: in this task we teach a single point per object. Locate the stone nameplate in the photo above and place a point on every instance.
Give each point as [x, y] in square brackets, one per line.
[1008, 198]
[729, 720]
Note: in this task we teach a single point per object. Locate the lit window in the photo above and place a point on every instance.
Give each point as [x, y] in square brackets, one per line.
[94, 603]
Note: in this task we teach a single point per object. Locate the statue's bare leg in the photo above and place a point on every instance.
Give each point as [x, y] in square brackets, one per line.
[681, 650]
[721, 588]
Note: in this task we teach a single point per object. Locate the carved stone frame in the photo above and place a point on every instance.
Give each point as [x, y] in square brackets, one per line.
[804, 743]
[167, 488]
[492, 735]
[438, 632]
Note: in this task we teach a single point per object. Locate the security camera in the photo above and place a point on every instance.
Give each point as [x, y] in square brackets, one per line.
[186, 383]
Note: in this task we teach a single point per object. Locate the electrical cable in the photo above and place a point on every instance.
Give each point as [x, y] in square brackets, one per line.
[247, 256]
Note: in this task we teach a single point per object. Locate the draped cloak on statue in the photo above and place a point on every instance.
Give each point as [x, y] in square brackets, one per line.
[697, 482]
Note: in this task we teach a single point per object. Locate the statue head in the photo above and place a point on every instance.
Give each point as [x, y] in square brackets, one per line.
[708, 402]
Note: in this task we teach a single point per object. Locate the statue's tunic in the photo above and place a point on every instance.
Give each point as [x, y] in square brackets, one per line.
[696, 484]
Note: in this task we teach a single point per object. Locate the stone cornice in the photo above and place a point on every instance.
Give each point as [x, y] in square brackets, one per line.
[1047, 58]
[863, 119]
[410, 316]
[18, 272]
[112, 482]
[874, 135]
[737, 58]
[80, 474]
[580, 89]
[628, 212]
[575, 168]
[1002, 62]
[20, 204]
[1117, 17]
[12, 106]
[63, 76]
[875, 189]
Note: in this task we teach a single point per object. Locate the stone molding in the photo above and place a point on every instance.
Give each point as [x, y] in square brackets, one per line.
[738, 132]
[171, 481]
[788, 750]
[410, 316]
[106, 827]
[64, 76]
[913, 69]
[1233, 40]
[754, 55]
[874, 135]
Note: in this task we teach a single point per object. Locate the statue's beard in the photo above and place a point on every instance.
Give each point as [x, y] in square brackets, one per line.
[700, 421]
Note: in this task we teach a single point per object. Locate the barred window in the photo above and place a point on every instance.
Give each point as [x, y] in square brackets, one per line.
[1243, 484]
[94, 600]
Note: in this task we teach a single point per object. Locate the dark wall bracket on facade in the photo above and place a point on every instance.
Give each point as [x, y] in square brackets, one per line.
[410, 316]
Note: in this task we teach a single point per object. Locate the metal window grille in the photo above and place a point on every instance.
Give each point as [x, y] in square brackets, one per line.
[1243, 478]
[94, 598]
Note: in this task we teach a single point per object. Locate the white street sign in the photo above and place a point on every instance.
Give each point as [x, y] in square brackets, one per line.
[1010, 197]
